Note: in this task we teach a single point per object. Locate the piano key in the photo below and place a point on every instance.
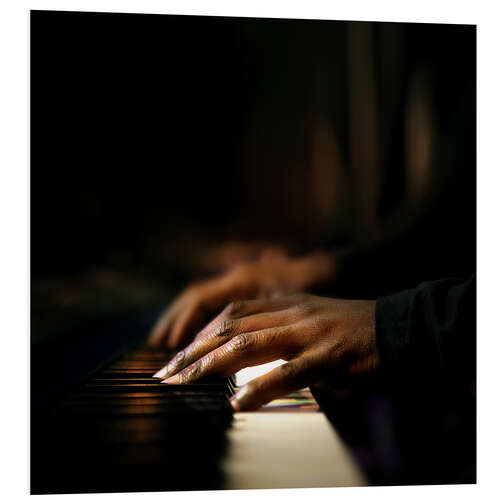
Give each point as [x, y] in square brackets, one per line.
[138, 356]
[129, 380]
[126, 371]
[155, 387]
[141, 365]
[159, 402]
[133, 395]
[167, 409]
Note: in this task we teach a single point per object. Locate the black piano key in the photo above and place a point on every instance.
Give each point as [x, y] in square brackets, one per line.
[121, 416]
[166, 409]
[138, 365]
[127, 380]
[119, 402]
[138, 356]
[142, 394]
[121, 387]
[132, 371]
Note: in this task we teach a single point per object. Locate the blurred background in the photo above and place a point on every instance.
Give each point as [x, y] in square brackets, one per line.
[165, 148]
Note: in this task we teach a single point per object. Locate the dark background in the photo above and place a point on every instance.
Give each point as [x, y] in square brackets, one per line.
[149, 129]
[143, 129]
[155, 138]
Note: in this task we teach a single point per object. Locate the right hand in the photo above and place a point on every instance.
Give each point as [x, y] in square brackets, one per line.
[324, 341]
[261, 279]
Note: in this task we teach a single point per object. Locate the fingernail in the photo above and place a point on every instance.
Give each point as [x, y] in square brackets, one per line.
[161, 373]
[175, 379]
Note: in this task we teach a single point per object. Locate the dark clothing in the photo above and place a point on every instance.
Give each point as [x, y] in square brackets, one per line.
[417, 424]
[428, 333]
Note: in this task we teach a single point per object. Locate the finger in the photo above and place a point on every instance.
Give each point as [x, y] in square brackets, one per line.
[222, 329]
[241, 308]
[203, 343]
[184, 323]
[289, 377]
[161, 327]
[245, 349]
[208, 298]
[178, 318]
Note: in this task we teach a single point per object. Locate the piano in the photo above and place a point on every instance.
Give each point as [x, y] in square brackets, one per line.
[120, 430]
[101, 423]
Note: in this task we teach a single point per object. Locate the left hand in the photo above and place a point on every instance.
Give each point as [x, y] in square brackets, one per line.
[274, 273]
[322, 339]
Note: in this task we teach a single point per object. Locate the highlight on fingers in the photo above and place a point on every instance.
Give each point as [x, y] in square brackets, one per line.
[321, 339]
[199, 301]
[241, 351]
[232, 322]
[215, 334]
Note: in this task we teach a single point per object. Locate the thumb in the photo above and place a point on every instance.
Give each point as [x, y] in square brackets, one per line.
[282, 380]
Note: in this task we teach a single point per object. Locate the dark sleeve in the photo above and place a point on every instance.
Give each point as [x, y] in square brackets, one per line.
[428, 333]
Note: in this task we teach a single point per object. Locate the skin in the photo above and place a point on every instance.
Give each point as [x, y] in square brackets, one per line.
[323, 340]
[271, 275]
[279, 274]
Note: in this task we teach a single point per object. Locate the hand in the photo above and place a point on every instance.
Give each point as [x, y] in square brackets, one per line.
[266, 277]
[323, 340]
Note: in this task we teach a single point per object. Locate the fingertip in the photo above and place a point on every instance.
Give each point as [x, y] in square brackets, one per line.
[234, 404]
[240, 400]
[160, 373]
[174, 379]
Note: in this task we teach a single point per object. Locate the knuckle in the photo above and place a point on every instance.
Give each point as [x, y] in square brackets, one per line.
[289, 372]
[241, 342]
[226, 328]
[336, 348]
[273, 337]
[178, 359]
[191, 373]
[304, 308]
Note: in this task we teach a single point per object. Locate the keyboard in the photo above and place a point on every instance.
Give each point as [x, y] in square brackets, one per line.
[122, 430]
